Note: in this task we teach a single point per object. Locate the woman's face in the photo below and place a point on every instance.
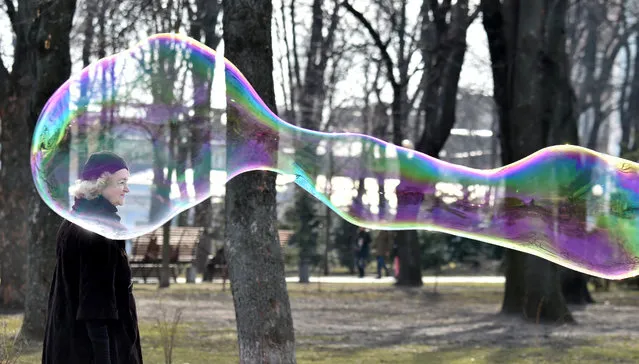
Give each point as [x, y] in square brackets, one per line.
[117, 187]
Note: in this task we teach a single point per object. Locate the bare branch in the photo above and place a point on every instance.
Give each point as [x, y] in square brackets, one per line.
[473, 16]
[4, 72]
[296, 65]
[4, 81]
[378, 42]
[439, 14]
[11, 13]
[327, 42]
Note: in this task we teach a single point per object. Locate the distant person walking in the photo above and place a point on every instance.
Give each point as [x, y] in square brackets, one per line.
[395, 255]
[383, 246]
[363, 249]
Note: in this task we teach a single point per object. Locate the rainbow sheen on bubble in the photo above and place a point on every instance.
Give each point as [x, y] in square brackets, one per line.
[161, 106]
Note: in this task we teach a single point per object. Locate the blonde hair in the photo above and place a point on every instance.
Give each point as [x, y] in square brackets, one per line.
[90, 189]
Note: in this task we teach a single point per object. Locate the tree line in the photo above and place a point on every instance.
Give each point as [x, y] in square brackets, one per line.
[562, 71]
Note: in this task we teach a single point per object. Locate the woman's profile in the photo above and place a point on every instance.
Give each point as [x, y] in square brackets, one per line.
[92, 315]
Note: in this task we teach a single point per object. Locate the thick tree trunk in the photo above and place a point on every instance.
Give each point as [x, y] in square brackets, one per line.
[311, 102]
[574, 287]
[15, 197]
[633, 107]
[444, 47]
[203, 24]
[410, 264]
[518, 47]
[563, 127]
[256, 266]
[53, 21]
[165, 270]
[532, 289]
[41, 264]
[409, 200]
[16, 93]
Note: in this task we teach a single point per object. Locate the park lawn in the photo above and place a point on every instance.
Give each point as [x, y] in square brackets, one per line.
[459, 292]
[198, 343]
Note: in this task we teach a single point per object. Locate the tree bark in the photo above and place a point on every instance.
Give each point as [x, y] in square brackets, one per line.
[87, 43]
[256, 266]
[410, 268]
[443, 46]
[574, 287]
[523, 62]
[15, 195]
[50, 31]
[165, 271]
[311, 103]
[633, 107]
[563, 127]
[202, 28]
[604, 31]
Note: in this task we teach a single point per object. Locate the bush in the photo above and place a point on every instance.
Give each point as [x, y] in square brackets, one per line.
[440, 249]
[10, 345]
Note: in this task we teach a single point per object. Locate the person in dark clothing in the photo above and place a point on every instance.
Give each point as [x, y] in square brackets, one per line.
[363, 249]
[383, 246]
[92, 317]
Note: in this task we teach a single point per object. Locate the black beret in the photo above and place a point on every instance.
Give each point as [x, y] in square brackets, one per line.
[101, 162]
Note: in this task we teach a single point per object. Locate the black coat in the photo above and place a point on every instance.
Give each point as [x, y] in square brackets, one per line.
[363, 238]
[92, 281]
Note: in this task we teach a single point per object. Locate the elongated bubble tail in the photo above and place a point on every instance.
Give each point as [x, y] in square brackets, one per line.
[186, 121]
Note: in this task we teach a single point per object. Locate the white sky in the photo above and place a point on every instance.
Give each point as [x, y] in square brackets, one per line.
[476, 72]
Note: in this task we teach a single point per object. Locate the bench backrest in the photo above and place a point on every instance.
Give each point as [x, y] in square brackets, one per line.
[183, 242]
[285, 236]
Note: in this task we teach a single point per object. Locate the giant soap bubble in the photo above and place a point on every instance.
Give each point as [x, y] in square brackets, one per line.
[161, 106]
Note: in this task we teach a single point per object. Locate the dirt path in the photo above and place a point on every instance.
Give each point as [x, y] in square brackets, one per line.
[384, 316]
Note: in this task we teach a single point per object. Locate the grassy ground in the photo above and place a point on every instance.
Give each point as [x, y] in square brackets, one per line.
[380, 324]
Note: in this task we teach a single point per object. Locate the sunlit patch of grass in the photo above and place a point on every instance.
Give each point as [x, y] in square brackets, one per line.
[594, 351]
[12, 350]
[10, 346]
[618, 297]
[196, 343]
[199, 342]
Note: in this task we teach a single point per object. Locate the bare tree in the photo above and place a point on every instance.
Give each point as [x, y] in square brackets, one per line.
[630, 109]
[203, 23]
[256, 267]
[396, 70]
[16, 93]
[398, 75]
[599, 31]
[52, 59]
[312, 97]
[443, 47]
[534, 98]
[442, 42]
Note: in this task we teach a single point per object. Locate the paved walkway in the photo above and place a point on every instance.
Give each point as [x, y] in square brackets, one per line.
[373, 280]
[387, 280]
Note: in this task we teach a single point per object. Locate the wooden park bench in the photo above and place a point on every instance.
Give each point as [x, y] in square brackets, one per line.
[217, 264]
[285, 236]
[146, 251]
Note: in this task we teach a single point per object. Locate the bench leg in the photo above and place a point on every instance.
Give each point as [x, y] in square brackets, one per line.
[158, 271]
[175, 272]
[224, 276]
[145, 274]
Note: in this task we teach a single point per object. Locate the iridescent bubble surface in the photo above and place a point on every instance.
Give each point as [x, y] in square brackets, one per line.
[161, 106]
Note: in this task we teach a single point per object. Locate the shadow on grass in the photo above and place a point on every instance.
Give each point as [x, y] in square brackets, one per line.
[601, 350]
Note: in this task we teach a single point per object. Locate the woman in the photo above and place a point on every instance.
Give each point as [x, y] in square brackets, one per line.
[92, 316]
